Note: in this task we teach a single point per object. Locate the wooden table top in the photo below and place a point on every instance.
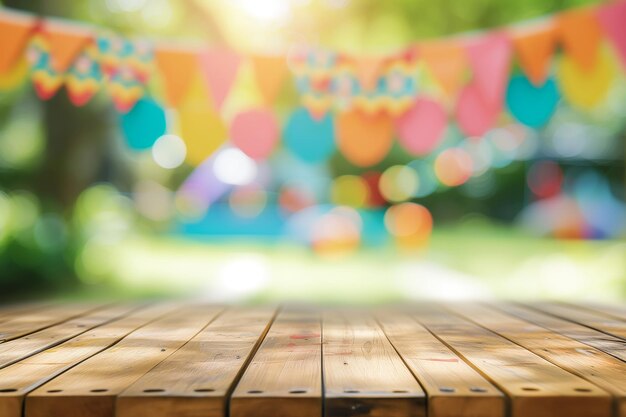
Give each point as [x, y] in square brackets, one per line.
[185, 359]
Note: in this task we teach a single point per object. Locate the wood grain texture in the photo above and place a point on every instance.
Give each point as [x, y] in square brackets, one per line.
[90, 388]
[19, 379]
[284, 378]
[363, 374]
[534, 386]
[18, 349]
[453, 387]
[7, 311]
[614, 310]
[197, 379]
[597, 367]
[610, 344]
[598, 321]
[39, 319]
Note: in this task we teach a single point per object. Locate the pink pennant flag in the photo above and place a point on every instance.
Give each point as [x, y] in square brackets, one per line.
[490, 57]
[219, 67]
[612, 17]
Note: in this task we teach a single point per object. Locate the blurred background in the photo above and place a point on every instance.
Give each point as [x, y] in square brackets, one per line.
[518, 209]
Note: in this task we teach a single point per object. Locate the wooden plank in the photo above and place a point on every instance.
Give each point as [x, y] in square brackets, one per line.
[90, 388]
[598, 321]
[362, 373]
[9, 311]
[197, 379]
[535, 387]
[18, 349]
[284, 378]
[23, 377]
[614, 310]
[39, 319]
[605, 371]
[602, 341]
[453, 387]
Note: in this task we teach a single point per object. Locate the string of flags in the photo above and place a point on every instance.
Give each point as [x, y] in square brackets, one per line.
[356, 104]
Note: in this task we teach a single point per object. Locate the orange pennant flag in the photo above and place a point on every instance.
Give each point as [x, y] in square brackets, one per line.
[15, 30]
[368, 70]
[534, 48]
[447, 62]
[269, 72]
[178, 69]
[65, 43]
[580, 33]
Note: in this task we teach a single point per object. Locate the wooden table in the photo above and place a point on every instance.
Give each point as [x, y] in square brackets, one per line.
[183, 359]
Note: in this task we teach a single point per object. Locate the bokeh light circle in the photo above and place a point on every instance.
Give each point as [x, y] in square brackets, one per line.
[247, 202]
[337, 232]
[453, 167]
[410, 224]
[398, 183]
[169, 151]
[422, 127]
[234, 167]
[545, 179]
[349, 190]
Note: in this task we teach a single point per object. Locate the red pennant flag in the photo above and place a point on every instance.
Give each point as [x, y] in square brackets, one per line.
[613, 20]
[490, 57]
[178, 68]
[65, 42]
[219, 67]
[580, 33]
[535, 48]
[269, 73]
[15, 31]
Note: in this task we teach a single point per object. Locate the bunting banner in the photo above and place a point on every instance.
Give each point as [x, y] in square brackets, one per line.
[346, 102]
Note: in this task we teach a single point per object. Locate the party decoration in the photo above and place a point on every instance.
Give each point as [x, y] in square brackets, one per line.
[586, 89]
[178, 68]
[203, 132]
[580, 33]
[144, 124]
[398, 183]
[447, 62]
[531, 105]
[84, 77]
[255, 132]
[422, 127]
[453, 167]
[535, 49]
[349, 190]
[375, 198]
[65, 43]
[368, 70]
[364, 139]
[474, 114]
[15, 31]
[15, 76]
[219, 66]
[612, 17]
[46, 79]
[489, 57]
[410, 224]
[270, 72]
[310, 139]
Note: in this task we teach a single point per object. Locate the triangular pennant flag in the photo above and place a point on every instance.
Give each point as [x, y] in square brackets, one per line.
[580, 33]
[368, 71]
[446, 62]
[65, 43]
[178, 68]
[612, 18]
[15, 30]
[219, 67]
[534, 48]
[490, 57]
[84, 77]
[269, 72]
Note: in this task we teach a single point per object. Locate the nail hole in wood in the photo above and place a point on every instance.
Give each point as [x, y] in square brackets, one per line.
[8, 390]
[99, 390]
[477, 389]
[54, 391]
[204, 390]
[530, 389]
[400, 391]
[297, 391]
[446, 389]
[154, 390]
[255, 391]
[582, 390]
[351, 391]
